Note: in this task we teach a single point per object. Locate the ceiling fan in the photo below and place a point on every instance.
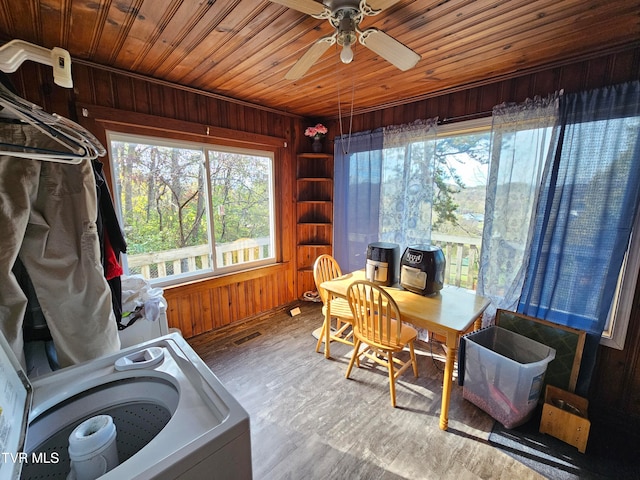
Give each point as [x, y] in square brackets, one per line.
[345, 16]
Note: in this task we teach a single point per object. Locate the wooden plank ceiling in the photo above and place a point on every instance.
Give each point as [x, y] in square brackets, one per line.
[243, 48]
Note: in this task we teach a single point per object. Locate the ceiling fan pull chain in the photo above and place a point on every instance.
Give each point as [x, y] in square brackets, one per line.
[353, 95]
[345, 151]
[340, 112]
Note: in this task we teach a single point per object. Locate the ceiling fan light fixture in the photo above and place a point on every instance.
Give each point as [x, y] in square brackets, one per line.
[346, 36]
[346, 56]
[345, 17]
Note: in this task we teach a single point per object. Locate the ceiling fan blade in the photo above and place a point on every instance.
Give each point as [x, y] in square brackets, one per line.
[310, 57]
[389, 48]
[310, 7]
[381, 4]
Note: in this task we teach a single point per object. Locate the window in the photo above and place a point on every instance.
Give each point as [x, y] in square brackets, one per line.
[418, 190]
[457, 205]
[615, 330]
[192, 210]
[462, 163]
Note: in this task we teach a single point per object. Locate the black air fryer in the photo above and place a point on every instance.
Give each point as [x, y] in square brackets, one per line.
[383, 263]
[422, 269]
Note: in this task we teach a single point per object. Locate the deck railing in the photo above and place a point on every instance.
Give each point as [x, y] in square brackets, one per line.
[462, 254]
[191, 259]
[463, 259]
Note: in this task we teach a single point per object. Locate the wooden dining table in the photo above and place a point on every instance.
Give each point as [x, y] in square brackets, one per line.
[449, 313]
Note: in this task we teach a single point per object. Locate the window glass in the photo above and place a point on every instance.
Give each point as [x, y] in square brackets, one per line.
[241, 196]
[460, 179]
[190, 210]
[462, 165]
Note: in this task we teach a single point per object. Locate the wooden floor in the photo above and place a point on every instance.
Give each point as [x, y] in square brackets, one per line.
[309, 422]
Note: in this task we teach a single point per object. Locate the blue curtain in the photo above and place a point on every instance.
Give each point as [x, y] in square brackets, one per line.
[357, 175]
[589, 196]
[382, 189]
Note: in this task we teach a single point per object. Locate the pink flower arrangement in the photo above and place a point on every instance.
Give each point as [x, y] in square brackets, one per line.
[318, 131]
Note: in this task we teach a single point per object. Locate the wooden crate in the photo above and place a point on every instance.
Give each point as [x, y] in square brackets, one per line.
[564, 416]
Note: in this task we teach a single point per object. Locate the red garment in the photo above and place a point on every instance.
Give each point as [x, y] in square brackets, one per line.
[112, 265]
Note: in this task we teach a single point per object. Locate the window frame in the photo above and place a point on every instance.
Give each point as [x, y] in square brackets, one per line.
[272, 208]
[141, 135]
[615, 334]
[617, 325]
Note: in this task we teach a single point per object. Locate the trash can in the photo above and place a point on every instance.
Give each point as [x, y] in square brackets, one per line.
[504, 373]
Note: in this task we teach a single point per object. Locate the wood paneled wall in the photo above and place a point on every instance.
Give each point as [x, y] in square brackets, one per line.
[105, 95]
[201, 306]
[211, 304]
[615, 388]
[479, 99]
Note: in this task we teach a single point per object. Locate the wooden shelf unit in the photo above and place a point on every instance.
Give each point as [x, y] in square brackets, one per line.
[314, 214]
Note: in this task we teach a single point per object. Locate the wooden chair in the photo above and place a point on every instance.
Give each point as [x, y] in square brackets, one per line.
[378, 325]
[326, 268]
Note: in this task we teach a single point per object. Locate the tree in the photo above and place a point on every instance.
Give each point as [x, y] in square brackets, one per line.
[463, 150]
[240, 186]
[161, 195]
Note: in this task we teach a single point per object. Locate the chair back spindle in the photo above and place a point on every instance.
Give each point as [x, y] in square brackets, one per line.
[377, 326]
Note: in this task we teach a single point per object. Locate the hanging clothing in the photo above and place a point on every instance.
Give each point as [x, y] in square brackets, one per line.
[112, 241]
[35, 325]
[112, 267]
[48, 215]
[108, 224]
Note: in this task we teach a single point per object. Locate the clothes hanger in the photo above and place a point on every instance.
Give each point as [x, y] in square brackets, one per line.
[77, 142]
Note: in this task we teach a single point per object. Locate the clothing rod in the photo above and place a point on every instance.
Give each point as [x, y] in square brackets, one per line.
[13, 53]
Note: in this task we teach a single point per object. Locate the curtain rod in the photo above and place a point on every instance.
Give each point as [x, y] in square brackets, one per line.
[465, 117]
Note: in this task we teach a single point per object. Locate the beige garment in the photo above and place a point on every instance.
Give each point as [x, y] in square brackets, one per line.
[47, 217]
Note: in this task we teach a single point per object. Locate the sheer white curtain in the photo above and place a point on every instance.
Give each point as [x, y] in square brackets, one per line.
[383, 190]
[523, 136]
[406, 191]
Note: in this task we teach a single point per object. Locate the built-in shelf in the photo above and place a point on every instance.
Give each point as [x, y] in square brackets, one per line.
[314, 235]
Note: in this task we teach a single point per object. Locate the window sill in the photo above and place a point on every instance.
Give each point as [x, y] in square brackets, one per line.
[222, 279]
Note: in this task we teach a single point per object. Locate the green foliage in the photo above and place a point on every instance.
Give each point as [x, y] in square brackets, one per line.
[240, 186]
[454, 153]
[163, 196]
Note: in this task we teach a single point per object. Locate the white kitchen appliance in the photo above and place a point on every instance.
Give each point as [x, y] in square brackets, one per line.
[144, 329]
[173, 417]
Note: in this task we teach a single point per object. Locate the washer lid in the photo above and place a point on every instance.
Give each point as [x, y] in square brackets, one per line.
[15, 402]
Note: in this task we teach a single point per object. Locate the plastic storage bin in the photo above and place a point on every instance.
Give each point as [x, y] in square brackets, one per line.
[504, 373]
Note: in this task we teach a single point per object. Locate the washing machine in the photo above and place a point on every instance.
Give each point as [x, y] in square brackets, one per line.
[172, 416]
[144, 329]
